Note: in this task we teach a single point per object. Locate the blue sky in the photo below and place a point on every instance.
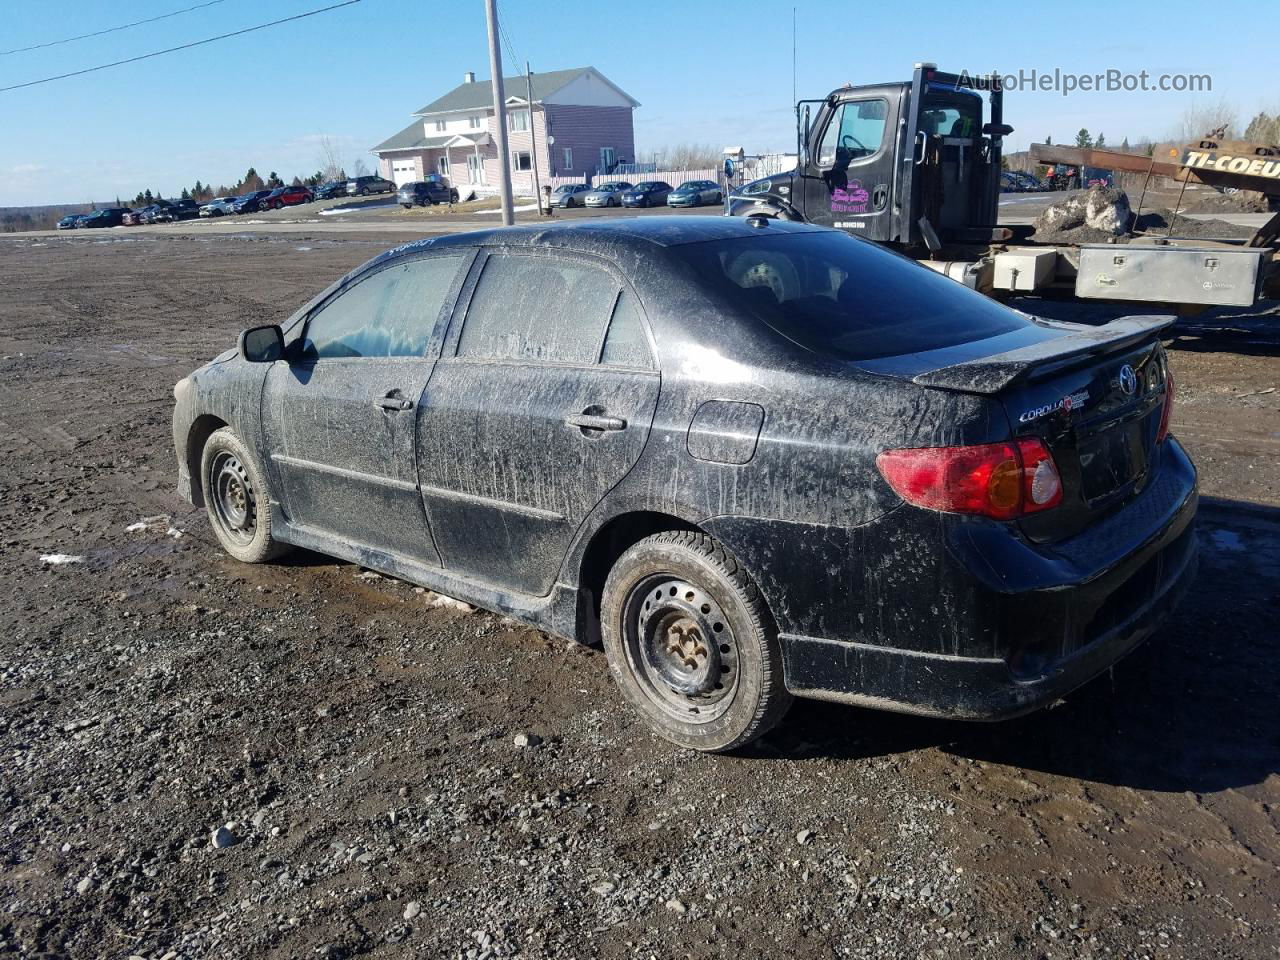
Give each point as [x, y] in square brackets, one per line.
[704, 72]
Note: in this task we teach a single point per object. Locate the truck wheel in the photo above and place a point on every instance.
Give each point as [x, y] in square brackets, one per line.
[691, 642]
[237, 499]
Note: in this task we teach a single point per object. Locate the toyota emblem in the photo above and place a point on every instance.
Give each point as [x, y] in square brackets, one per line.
[1128, 380]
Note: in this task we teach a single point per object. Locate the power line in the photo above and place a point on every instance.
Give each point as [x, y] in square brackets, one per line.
[98, 33]
[185, 46]
[511, 50]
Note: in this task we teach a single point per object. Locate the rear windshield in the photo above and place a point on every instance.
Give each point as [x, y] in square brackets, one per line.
[843, 297]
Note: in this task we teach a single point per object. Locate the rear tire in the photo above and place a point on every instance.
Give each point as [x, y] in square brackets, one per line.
[237, 499]
[691, 643]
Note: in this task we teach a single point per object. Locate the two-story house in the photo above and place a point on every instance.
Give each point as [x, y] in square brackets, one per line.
[581, 124]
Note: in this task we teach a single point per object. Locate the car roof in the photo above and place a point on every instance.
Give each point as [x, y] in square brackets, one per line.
[590, 235]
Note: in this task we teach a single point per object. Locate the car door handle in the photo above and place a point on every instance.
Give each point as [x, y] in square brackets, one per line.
[393, 403]
[591, 421]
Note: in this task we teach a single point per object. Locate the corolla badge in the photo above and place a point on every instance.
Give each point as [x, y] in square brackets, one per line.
[1066, 404]
[1128, 380]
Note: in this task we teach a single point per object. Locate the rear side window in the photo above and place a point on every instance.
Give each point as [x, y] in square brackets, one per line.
[388, 314]
[843, 297]
[625, 345]
[538, 308]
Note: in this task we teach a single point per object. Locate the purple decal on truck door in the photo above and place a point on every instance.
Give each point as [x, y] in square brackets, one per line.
[850, 199]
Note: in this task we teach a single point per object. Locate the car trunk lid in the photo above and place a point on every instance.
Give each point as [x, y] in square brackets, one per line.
[1093, 395]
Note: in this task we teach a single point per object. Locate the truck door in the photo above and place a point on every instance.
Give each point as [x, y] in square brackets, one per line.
[848, 182]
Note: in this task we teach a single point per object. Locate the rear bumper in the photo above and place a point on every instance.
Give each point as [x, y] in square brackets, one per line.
[1060, 635]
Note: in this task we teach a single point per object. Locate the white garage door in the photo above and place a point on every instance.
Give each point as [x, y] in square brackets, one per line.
[403, 171]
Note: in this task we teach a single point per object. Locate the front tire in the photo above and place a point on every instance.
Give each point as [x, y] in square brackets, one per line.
[237, 499]
[691, 643]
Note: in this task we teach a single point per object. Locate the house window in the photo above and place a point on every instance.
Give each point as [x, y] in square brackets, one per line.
[440, 126]
[518, 121]
[473, 121]
[442, 165]
[608, 159]
[521, 160]
[568, 158]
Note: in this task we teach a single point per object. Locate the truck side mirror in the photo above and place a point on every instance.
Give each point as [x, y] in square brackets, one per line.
[262, 344]
[804, 135]
[991, 130]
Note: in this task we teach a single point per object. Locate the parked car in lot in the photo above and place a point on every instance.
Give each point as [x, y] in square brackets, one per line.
[171, 211]
[217, 207]
[759, 459]
[250, 202]
[569, 194]
[605, 194]
[107, 217]
[70, 221]
[694, 193]
[136, 217]
[650, 193]
[424, 193]
[329, 190]
[282, 197]
[363, 186]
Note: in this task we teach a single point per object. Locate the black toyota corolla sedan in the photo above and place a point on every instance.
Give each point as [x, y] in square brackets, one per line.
[755, 459]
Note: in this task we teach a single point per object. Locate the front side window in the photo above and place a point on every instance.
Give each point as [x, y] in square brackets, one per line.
[390, 313]
[518, 120]
[534, 308]
[473, 121]
[856, 131]
[568, 158]
[521, 160]
[608, 159]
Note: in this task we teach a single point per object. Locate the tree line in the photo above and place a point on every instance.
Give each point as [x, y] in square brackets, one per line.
[251, 182]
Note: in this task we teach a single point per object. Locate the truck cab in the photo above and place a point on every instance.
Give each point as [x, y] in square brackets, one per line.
[907, 164]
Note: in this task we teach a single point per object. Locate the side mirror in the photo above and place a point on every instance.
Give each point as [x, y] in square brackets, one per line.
[804, 136]
[262, 344]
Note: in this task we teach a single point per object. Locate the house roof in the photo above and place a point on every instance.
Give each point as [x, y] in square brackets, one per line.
[412, 137]
[479, 94]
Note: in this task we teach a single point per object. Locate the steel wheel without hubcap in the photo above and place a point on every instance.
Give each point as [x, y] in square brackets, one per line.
[682, 648]
[232, 498]
[691, 642]
[237, 499]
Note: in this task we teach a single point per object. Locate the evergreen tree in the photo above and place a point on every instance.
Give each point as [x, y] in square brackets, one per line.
[186, 194]
[1083, 139]
[146, 197]
[1048, 141]
[1125, 145]
[1101, 141]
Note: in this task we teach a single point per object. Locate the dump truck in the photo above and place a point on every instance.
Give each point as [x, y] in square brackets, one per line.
[916, 166]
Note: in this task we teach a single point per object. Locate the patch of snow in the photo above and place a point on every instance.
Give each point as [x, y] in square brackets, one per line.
[60, 559]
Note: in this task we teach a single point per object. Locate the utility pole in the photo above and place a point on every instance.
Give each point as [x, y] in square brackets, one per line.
[500, 114]
[533, 144]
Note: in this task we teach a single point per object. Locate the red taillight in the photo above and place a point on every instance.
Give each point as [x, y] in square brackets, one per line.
[999, 480]
[1168, 408]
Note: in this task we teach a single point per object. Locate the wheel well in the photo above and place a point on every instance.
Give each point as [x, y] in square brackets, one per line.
[197, 437]
[606, 546]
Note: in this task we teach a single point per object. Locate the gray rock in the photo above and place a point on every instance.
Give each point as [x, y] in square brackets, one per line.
[677, 906]
[84, 886]
[604, 888]
[527, 740]
[412, 909]
[222, 838]
[804, 836]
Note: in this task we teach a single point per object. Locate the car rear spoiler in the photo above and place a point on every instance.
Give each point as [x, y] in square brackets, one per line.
[992, 374]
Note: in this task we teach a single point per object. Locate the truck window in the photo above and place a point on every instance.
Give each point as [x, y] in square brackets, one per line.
[856, 131]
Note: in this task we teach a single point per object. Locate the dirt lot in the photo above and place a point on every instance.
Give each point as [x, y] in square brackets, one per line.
[357, 743]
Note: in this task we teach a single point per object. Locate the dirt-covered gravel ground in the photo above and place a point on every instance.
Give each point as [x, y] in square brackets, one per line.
[205, 759]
